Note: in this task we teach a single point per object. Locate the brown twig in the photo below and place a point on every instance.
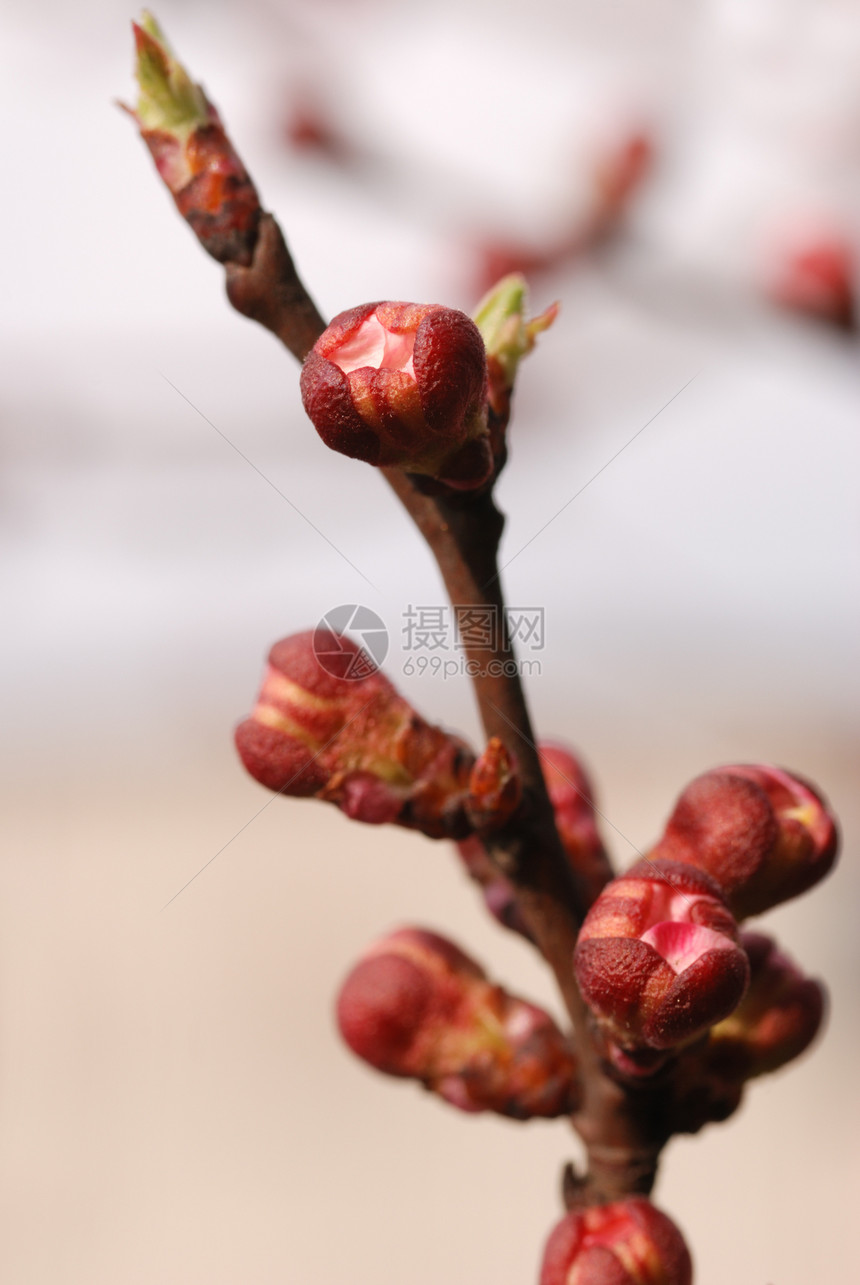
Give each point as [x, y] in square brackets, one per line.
[271, 292]
[463, 536]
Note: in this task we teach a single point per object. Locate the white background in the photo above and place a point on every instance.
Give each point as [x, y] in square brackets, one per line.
[174, 1104]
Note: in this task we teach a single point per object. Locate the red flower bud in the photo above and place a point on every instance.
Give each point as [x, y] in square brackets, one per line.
[626, 1243]
[192, 153]
[657, 958]
[774, 1023]
[417, 1006]
[571, 796]
[403, 384]
[779, 1016]
[352, 741]
[763, 834]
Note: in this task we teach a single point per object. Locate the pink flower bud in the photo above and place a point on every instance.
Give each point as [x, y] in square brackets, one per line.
[625, 1243]
[764, 835]
[657, 958]
[403, 384]
[352, 741]
[192, 153]
[417, 1006]
[572, 799]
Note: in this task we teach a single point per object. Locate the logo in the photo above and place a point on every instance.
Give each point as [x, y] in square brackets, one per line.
[340, 632]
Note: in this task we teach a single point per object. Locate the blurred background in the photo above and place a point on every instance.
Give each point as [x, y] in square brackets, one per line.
[174, 1103]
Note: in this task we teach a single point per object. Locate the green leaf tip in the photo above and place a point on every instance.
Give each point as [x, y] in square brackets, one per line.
[501, 319]
[169, 100]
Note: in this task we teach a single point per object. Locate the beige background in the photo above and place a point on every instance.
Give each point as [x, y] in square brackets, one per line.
[175, 1108]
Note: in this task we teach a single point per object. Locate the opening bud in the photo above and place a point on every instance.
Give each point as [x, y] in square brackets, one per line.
[618, 174]
[763, 834]
[508, 337]
[403, 384]
[625, 1243]
[353, 741]
[416, 1006]
[657, 958]
[192, 153]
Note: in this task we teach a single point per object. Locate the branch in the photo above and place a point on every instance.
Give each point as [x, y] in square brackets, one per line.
[270, 291]
[622, 1126]
[463, 535]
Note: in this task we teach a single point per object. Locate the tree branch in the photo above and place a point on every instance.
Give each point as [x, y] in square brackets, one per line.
[622, 1126]
[271, 292]
[463, 534]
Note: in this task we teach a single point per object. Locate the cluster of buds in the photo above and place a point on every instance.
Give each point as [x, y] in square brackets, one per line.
[416, 1006]
[775, 1022]
[192, 153]
[762, 834]
[403, 384]
[571, 796]
[658, 960]
[352, 740]
[625, 1243]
